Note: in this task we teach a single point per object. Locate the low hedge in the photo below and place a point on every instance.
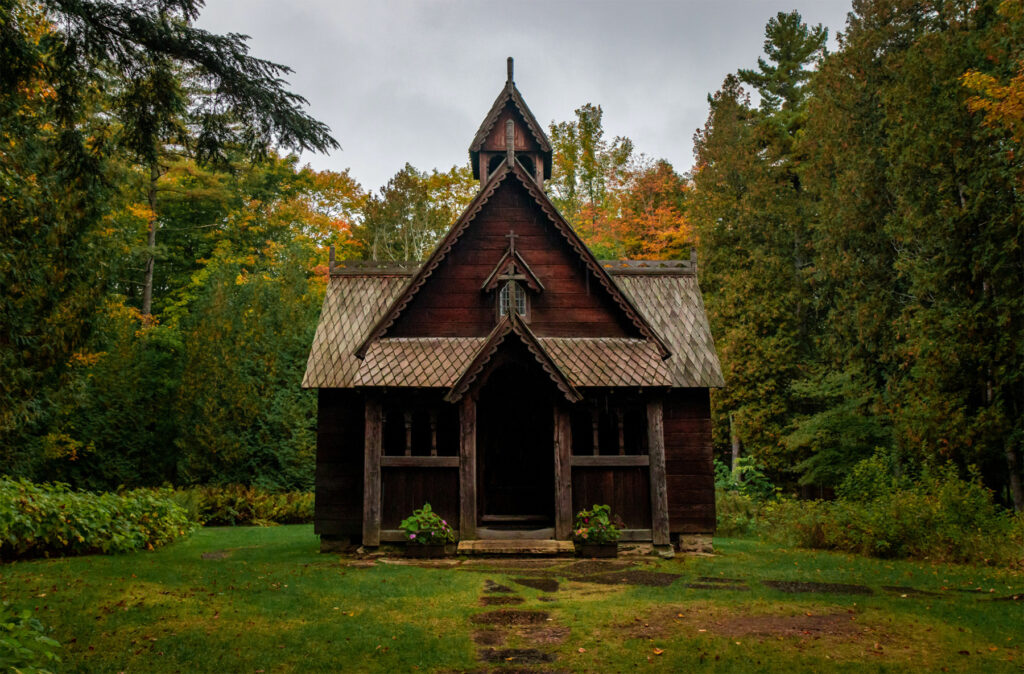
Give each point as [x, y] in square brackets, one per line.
[938, 517]
[53, 519]
[239, 505]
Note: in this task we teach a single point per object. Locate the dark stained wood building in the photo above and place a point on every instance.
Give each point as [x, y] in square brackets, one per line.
[512, 378]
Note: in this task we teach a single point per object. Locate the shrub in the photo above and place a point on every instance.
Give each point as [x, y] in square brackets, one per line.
[235, 504]
[595, 526]
[45, 519]
[939, 517]
[748, 479]
[24, 646]
[425, 527]
[735, 513]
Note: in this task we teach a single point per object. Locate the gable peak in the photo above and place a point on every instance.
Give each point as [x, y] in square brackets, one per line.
[510, 128]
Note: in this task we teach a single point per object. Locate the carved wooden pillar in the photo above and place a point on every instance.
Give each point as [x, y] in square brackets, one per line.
[563, 475]
[372, 447]
[467, 468]
[659, 489]
[407, 416]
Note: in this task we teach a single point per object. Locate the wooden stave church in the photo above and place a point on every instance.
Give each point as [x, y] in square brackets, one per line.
[427, 373]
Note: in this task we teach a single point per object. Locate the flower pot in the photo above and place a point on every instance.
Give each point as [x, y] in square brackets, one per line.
[428, 551]
[597, 549]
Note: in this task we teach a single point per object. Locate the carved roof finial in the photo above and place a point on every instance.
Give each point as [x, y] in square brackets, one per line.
[509, 70]
[510, 141]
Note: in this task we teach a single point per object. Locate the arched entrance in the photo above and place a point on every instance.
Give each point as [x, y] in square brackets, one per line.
[515, 446]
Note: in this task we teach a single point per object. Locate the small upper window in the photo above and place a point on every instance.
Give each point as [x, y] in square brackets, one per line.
[520, 298]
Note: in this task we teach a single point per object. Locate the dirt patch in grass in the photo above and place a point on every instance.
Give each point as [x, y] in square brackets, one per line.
[590, 567]
[515, 656]
[793, 586]
[491, 587]
[500, 600]
[832, 625]
[489, 637]
[510, 617]
[542, 584]
[543, 636]
[216, 554]
[634, 577]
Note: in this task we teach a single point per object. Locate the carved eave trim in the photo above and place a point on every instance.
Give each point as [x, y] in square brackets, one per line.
[528, 277]
[634, 314]
[435, 259]
[509, 324]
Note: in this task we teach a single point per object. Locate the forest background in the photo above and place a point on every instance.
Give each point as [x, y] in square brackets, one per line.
[856, 214]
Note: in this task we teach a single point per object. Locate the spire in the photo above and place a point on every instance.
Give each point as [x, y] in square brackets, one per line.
[509, 80]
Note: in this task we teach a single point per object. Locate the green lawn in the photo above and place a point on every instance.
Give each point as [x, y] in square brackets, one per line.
[263, 599]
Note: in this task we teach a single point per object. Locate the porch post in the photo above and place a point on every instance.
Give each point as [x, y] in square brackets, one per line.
[372, 448]
[659, 490]
[563, 475]
[467, 469]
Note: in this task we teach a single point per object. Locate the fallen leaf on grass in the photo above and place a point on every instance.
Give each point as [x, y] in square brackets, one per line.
[581, 650]
[658, 651]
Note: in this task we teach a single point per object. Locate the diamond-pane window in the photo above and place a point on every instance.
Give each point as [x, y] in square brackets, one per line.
[503, 300]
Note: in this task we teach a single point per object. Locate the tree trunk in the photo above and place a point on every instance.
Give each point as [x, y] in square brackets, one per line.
[1016, 488]
[147, 286]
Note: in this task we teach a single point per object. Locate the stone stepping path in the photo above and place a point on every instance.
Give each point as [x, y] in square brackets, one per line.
[516, 638]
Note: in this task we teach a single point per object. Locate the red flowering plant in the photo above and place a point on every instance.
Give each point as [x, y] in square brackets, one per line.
[596, 526]
[425, 527]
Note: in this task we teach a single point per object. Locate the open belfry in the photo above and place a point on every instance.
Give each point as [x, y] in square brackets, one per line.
[512, 379]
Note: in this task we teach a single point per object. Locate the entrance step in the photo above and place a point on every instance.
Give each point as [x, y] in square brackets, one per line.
[517, 546]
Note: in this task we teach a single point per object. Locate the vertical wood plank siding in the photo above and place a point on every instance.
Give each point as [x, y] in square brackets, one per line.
[689, 469]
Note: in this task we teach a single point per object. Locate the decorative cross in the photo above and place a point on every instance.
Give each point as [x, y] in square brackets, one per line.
[511, 236]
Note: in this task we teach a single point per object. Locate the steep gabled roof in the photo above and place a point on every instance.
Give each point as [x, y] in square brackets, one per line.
[510, 94]
[503, 171]
[667, 293]
[512, 323]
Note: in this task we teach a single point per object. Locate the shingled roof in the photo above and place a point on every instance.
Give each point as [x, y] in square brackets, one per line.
[665, 292]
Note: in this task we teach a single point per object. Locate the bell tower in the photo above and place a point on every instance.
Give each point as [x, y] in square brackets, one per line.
[509, 133]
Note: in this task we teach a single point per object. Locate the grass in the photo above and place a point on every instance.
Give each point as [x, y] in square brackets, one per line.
[267, 600]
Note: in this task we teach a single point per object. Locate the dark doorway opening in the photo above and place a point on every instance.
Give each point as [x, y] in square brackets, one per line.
[515, 445]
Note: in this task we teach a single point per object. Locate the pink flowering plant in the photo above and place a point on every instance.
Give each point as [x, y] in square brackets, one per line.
[596, 526]
[425, 527]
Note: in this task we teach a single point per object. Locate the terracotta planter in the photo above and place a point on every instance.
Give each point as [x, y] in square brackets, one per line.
[597, 549]
[428, 551]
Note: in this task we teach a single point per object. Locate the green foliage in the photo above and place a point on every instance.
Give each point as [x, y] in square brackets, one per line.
[413, 212]
[425, 527]
[237, 504]
[749, 479]
[596, 526]
[24, 646]
[937, 517]
[736, 513]
[52, 519]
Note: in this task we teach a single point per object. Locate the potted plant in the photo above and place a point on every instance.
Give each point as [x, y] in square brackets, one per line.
[595, 534]
[427, 533]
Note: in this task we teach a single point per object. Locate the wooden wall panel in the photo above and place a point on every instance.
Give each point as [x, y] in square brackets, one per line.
[406, 489]
[689, 461]
[450, 303]
[338, 509]
[626, 490]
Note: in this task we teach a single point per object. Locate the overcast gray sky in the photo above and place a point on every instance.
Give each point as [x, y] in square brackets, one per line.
[410, 80]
